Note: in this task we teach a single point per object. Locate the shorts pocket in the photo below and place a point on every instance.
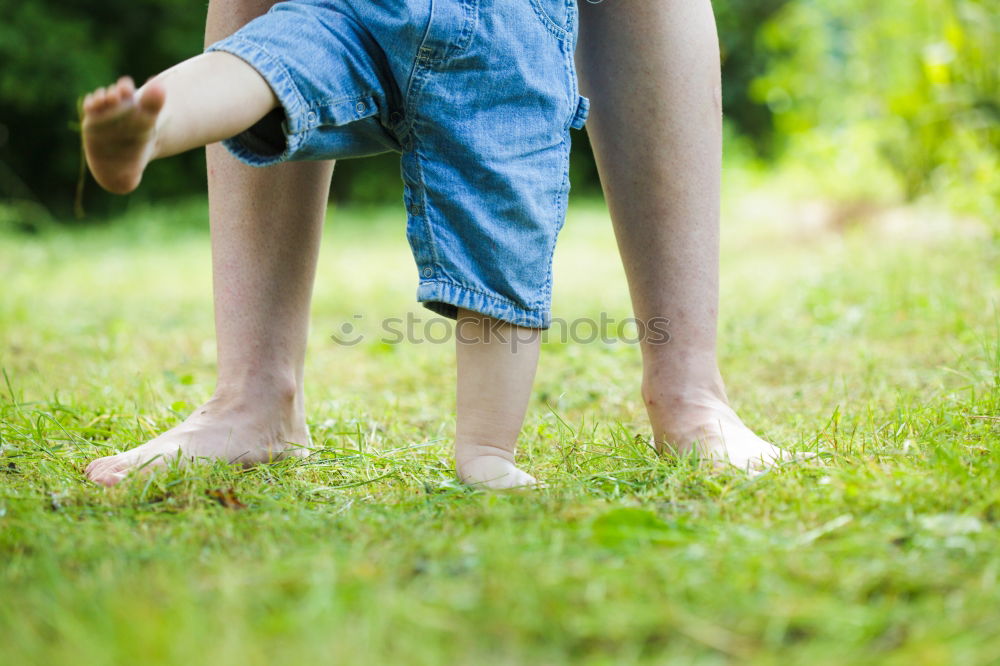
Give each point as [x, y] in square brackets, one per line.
[556, 15]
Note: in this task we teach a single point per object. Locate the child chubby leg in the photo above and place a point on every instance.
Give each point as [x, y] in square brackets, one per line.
[203, 100]
[496, 368]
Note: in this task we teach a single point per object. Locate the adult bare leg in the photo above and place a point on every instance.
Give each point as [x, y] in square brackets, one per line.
[266, 227]
[651, 68]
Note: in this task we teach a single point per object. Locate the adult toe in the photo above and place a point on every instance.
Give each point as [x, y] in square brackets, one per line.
[98, 468]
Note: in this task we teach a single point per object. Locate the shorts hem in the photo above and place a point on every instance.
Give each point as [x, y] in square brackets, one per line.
[445, 297]
[280, 80]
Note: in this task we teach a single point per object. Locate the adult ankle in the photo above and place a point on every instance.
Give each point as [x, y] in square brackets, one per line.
[663, 390]
[283, 393]
[681, 409]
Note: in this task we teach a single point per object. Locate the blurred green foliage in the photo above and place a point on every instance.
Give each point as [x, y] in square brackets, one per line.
[881, 95]
[890, 99]
[51, 52]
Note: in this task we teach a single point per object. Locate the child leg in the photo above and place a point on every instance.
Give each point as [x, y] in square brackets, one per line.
[496, 368]
[208, 98]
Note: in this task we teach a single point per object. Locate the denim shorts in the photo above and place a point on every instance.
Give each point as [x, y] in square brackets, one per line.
[478, 96]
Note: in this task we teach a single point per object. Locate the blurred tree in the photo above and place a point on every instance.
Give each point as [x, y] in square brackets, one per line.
[744, 59]
[857, 86]
[51, 53]
[822, 79]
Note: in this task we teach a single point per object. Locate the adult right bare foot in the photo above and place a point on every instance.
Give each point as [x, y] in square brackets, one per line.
[119, 132]
[240, 432]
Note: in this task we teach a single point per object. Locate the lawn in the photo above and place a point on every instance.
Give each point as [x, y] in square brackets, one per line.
[871, 337]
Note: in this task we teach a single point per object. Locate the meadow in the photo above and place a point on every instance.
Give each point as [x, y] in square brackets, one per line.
[869, 336]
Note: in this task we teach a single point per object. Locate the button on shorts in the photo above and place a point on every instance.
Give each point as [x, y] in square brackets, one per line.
[477, 95]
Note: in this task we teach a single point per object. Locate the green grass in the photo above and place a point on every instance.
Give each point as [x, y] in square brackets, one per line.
[877, 347]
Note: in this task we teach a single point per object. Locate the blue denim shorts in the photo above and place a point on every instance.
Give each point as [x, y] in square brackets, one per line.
[477, 95]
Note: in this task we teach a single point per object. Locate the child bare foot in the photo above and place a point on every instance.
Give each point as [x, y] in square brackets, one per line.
[119, 132]
[230, 431]
[492, 470]
[496, 366]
